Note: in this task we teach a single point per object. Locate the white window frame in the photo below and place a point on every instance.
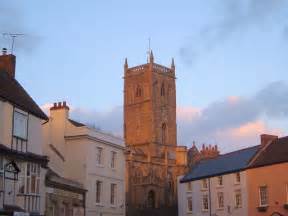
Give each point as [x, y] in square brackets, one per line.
[113, 163]
[204, 184]
[113, 194]
[238, 192]
[16, 132]
[219, 181]
[189, 186]
[261, 198]
[1, 173]
[237, 181]
[220, 203]
[189, 200]
[203, 204]
[98, 193]
[99, 155]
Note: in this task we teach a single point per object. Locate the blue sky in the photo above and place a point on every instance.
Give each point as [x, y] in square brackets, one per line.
[74, 51]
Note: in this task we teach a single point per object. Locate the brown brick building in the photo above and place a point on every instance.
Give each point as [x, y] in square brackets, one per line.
[153, 159]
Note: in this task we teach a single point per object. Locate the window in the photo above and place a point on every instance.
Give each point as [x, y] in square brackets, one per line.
[99, 152]
[204, 184]
[98, 191]
[29, 178]
[189, 204]
[1, 174]
[205, 204]
[138, 91]
[20, 128]
[163, 133]
[286, 188]
[162, 90]
[189, 186]
[113, 159]
[220, 196]
[263, 192]
[238, 178]
[238, 199]
[220, 180]
[113, 194]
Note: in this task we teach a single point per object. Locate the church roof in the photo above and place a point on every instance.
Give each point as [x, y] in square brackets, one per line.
[223, 164]
[12, 91]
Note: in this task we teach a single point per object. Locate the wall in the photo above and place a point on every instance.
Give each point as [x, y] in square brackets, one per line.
[275, 177]
[228, 189]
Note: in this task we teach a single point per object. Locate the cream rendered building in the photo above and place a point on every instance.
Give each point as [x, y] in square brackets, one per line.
[91, 157]
[22, 164]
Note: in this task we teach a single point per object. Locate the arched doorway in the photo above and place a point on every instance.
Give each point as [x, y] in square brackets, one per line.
[151, 199]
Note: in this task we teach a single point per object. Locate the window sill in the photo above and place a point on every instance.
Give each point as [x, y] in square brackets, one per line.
[99, 204]
[262, 208]
[204, 189]
[220, 209]
[237, 207]
[100, 165]
[205, 210]
[219, 186]
[113, 206]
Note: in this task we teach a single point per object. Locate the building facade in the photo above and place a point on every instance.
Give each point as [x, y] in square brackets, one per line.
[267, 180]
[93, 158]
[216, 186]
[22, 164]
[153, 159]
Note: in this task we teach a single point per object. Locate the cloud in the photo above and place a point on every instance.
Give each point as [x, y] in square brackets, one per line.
[232, 123]
[230, 17]
[12, 21]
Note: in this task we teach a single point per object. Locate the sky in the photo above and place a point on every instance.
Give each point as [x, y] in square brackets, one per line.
[230, 58]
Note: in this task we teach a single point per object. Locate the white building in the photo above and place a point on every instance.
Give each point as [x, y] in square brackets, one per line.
[216, 186]
[22, 165]
[91, 157]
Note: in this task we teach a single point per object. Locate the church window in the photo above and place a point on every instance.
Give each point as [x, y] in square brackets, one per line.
[163, 134]
[162, 89]
[138, 91]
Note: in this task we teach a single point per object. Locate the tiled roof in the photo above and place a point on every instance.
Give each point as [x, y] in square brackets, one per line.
[276, 152]
[12, 91]
[223, 164]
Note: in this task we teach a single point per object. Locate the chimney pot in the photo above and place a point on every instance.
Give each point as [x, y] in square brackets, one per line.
[4, 51]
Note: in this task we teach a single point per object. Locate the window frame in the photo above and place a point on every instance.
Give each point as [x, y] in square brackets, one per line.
[189, 207]
[26, 116]
[189, 186]
[99, 155]
[220, 181]
[265, 197]
[237, 178]
[113, 162]
[113, 194]
[220, 202]
[98, 191]
[204, 184]
[203, 203]
[238, 192]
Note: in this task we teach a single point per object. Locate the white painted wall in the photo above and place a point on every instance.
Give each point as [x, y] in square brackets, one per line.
[228, 188]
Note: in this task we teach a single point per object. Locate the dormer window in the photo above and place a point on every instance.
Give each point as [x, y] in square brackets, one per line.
[20, 124]
[138, 91]
[20, 131]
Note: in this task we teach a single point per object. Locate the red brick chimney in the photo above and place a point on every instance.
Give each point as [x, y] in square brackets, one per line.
[8, 63]
[267, 138]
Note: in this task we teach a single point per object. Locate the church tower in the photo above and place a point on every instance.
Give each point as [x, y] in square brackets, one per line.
[153, 159]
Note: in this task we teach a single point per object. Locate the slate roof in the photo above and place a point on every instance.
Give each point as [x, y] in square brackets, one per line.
[276, 152]
[12, 91]
[76, 124]
[223, 164]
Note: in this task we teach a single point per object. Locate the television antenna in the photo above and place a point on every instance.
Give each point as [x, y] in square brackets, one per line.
[13, 36]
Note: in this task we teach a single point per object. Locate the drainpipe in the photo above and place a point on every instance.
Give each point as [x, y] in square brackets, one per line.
[209, 195]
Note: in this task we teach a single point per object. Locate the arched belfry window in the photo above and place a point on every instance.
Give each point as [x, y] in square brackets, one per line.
[164, 134]
[138, 91]
[162, 89]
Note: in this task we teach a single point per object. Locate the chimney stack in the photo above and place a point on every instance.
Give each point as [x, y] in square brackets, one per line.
[267, 139]
[7, 63]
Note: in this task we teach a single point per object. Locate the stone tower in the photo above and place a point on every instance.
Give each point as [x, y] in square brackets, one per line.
[153, 159]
